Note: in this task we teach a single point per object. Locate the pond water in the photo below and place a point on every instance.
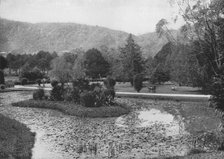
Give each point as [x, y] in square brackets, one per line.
[171, 125]
[143, 133]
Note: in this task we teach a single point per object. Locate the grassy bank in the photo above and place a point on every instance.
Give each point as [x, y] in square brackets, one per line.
[16, 140]
[76, 109]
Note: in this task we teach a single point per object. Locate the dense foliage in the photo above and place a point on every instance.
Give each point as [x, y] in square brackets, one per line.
[41, 60]
[31, 75]
[203, 31]
[95, 64]
[159, 75]
[3, 65]
[81, 91]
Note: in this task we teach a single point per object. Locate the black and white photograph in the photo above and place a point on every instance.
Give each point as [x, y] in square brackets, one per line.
[111, 79]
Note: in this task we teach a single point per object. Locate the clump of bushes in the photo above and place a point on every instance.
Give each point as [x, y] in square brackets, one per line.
[81, 92]
[87, 99]
[81, 84]
[54, 83]
[81, 99]
[97, 97]
[39, 94]
[57, 93]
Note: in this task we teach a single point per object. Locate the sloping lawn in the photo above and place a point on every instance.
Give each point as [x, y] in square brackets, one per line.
[16, 140]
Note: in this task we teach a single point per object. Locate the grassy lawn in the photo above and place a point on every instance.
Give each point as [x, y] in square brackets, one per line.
[16, 140]
[126, 87]
[12, 78]
[76, 109]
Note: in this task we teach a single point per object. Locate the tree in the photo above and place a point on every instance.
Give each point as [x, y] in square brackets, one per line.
[205, 27]
[159, 75]
[78, 70]
[70, 57]
[61, 70]
[137, 82]
[95, 65]
[31, 74]
[204, 24]
[162, 30]
[43, 60]
[131, 57]
[3, 65]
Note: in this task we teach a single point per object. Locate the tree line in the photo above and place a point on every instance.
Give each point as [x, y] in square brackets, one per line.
[123, 64]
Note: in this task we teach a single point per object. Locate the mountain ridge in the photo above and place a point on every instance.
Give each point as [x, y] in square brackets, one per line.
[27, 37]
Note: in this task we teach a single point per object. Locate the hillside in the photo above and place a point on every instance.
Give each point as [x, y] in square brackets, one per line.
[25, 37]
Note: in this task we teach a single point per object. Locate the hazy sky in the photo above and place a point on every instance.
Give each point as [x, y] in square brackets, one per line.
[133, 16]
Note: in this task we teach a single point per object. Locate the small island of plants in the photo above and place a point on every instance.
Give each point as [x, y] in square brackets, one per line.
[81, 98]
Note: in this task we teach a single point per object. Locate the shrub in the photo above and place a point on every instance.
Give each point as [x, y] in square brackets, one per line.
[109, 95]
[75, 95]
[38, 81]
[87, 99]
[67, 94]
[24, 81]
[195, 151]
[17, 83]
[38, 94]
[2, 86]
[81, 84]
[98, 97]
[137, 82]
[54, 83]
[56, 93]
[94, 85]
[9, 84]
[109, 82]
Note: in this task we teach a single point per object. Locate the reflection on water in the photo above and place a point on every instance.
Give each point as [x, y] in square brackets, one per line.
[41, 149]
[10, 97]
[146, 133]
[170, 125]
